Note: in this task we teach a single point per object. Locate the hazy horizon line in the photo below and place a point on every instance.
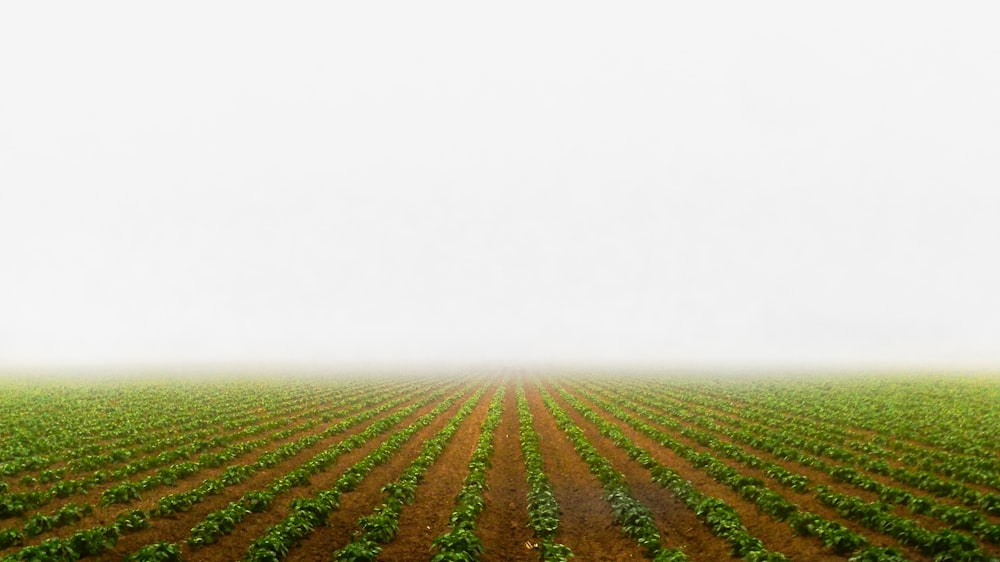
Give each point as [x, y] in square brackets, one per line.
[347, 368]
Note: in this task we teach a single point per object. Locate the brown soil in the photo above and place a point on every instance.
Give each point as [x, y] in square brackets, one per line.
[341, 526]
[807, 501]
[503, 525]
[862, 435]
[177, 527]
[427, 517]
[106, 515]
[291, 413]
[586, 525]
[678, 525]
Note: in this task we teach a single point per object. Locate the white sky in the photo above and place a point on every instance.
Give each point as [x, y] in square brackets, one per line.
[684, 183]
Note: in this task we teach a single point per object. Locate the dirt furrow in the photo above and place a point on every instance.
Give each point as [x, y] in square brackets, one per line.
[808, 501]
[503, 525]
[427, 518]
[586, 524]
[341, 526]
[177, 527]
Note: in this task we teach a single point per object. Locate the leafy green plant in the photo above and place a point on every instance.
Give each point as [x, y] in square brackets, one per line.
[125, 492]
[157, 552]
[11, 537]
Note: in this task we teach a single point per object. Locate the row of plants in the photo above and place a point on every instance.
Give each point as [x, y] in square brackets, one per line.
[237, 473]
[309, 513]
[18, 503]
[805, 451]
[633, 400]
[543, 508]
[65, 421]
[184, 501]
[945, 542]
[934, 431]
[719, 516]
[142, 438]
[956, 516]
[831, 534]
[821, 440]
[634, 517]
[460, 543]
[88, 542]
[224, 521]
[382, 524]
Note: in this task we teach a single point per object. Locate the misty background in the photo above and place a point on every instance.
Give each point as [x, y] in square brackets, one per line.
[714, 184]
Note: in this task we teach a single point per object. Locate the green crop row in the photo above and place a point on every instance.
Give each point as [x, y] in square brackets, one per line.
[308, 513]
[224, 521]
[233, 474]
[88, 542]
[461, 544]
[21, 502]
[142, 437]
[543, 509]
[922, 479]
[957, 517]
[906, 531]
[974, 462]
[830, 533]
[382, 524]
[635, 519]
[719, 516]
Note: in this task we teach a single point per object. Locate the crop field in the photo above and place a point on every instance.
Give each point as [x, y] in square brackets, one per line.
[501, 467]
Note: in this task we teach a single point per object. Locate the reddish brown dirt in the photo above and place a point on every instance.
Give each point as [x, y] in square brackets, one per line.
[931, 523]
[678, 525]
[863, 435]
[322, 543]
[503, 525]
[806, 502]
[106, 515]
[775, 535]
[295, 416]
[293, 412]
[427, 518]
[177, 527]
[586, 525]
[233, 547]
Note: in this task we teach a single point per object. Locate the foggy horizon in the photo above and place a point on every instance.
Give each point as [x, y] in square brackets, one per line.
[724, 186]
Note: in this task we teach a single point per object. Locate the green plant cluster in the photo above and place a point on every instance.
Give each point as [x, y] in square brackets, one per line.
[973, 462]
[156, 552]
[66, 515]
[381, 525]
[125, 441]
[806, 449]
[230, 476]
[87, 542]
[906, 531]
[308, 513]
[224, 521]
[719, 516]
[957, 517]
[830, 533]
[543, 509]
[235, 474]
[21, 502]
[635, 519]
[944, 544]
[461, 544]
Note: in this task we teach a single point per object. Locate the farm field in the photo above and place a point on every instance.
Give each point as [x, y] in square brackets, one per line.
[501, 467]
